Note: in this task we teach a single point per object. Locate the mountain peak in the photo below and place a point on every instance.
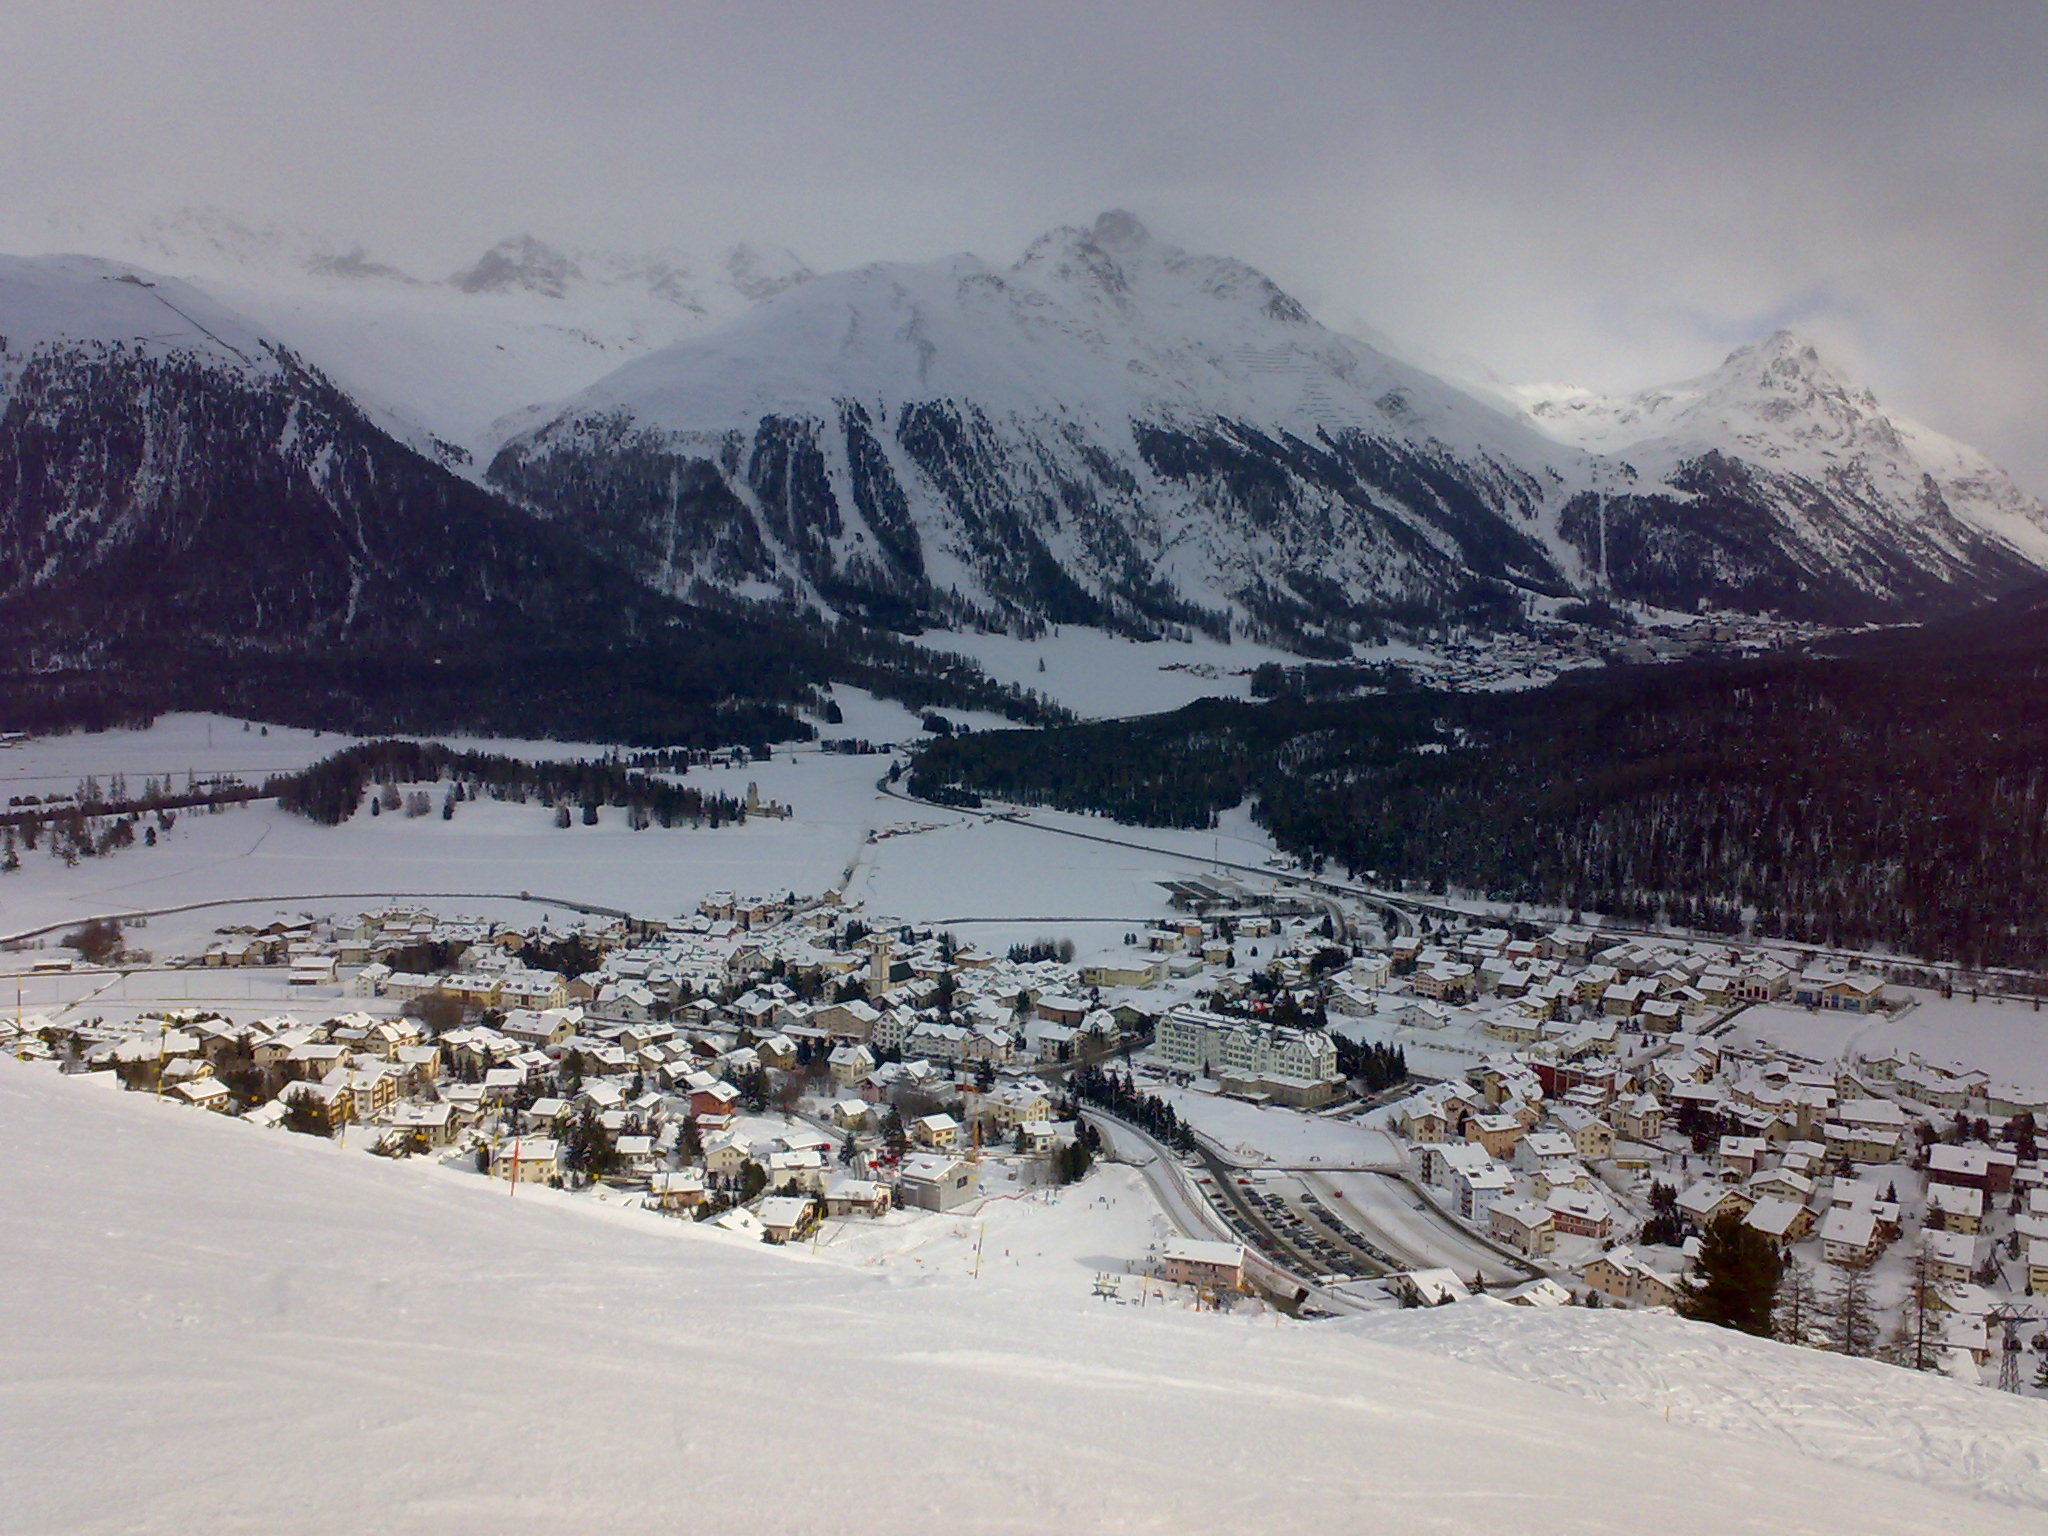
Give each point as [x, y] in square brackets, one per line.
[1117, 230]
[1784, 352]
[761, 272]
[519, 262]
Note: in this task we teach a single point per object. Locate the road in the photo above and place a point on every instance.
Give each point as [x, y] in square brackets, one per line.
[1190, 1203]
[1315, 888]
[1401, 911]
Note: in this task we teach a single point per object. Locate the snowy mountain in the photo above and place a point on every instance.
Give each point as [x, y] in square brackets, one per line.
[169, 468]
[443, 360]
[1785, 467]
[191, 515]
[546, 1362]
[1109, 431]
[1113, 431]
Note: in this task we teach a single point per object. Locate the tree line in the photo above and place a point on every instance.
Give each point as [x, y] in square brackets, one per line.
[1889, 800]
[1124, 1099]
[331, 790]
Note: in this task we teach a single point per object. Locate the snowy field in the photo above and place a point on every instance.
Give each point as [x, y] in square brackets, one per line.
[1255, 1135]
[212, 1326]
[1103, 676]
[1100, 675]
[1010, 883]
[257, 852]
[1917, 1428]
[1435, 1053]
[2008, 1039]
[1051, 1243]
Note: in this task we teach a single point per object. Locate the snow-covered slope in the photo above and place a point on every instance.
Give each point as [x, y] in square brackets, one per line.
[1858, 1413]
[1781, 427]
[1114, 431]
[525, 322]
[1110, 430]
[171, 472]
[211, 1326]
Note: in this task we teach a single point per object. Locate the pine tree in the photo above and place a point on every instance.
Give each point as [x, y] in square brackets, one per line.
[1734, 1283]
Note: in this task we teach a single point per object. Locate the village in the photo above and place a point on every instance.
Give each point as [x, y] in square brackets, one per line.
[1404, 1110]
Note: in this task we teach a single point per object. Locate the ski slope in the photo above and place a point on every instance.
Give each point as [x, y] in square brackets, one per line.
[210, 1326]
[1860, 1413]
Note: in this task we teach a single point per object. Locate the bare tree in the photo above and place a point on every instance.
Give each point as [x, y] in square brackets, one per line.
[1917, 1343]
[1798, 1313]
[1850, 1318]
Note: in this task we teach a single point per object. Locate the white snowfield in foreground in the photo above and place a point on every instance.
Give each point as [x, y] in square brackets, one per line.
[211, 1327]
[1861, 1413]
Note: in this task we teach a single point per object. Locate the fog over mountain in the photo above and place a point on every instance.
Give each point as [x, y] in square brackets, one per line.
[1609, 195]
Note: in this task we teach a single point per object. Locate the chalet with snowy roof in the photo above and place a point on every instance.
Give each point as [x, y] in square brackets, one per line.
[1955, 1208]
[1016, 1103]
[1524, 1225]
[717, 1099]
[1850, 1237]
[676, 1189]
[786, 1218]
[1640, 1119]
[1544, 1146]
[1439, 1160]
[1591, 1136]
[1430, 1287]
[1989, 1169]
[1710, 1198]
[1499, 1134]
[936, 1181]
[725, 1154]
[805, 1171]
[1474, 1189]
[524, 1158]
[1741, 1156]
[539, 1029]
[434, 1124]
[849, 1064]
[1581, 1213]
[205, 1093]
[1784, 1222]
[1951, 1256]
[1448, 981]
[1207, 1265]
[1862, 1143]
[1782, 1184]
[2037, 1266]
[1423, 1014]
[1623, 1275]
[1848, 992]
[856, 1197]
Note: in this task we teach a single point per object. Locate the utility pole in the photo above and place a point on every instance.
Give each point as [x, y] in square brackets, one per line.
[2009, 1355]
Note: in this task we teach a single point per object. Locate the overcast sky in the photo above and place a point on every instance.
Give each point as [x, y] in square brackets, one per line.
[1612, 194]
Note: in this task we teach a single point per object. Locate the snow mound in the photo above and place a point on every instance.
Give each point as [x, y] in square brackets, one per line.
[1859, 1413]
